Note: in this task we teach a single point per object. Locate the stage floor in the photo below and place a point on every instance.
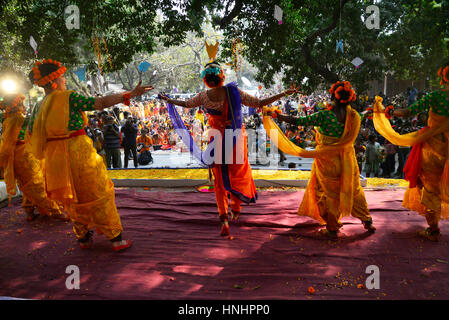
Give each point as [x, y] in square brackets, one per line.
[178, 253]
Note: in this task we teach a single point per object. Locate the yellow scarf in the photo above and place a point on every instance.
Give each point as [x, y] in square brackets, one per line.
[52, 122]
[437, 124]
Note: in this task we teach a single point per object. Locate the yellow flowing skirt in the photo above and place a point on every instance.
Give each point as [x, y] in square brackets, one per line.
[30, 179]
[322, 197]
[427, 194]
[334, 189]
[94, 206]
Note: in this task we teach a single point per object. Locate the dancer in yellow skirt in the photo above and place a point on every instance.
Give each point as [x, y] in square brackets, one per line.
[334, 189]
[75, 174]
[427, 168]
[19, 165]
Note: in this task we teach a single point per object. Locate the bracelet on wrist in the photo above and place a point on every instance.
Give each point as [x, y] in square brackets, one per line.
[127, 99]
[389, 112]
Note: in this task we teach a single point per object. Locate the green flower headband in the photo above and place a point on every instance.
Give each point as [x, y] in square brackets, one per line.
[213, 70]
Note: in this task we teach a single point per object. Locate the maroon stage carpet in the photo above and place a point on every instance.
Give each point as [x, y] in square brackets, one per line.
[178, 253]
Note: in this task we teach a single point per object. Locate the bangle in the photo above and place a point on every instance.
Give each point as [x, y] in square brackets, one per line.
[389, 112]
[127, 99]
[370, 109]
[276, 113]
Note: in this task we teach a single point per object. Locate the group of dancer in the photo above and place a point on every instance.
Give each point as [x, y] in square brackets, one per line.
[57, 169]
[54, 162]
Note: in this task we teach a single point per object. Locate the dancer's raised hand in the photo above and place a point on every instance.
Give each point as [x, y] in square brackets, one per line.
[140, 90]
[162, 96]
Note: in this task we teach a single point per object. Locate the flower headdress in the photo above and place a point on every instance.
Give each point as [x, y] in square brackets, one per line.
[42, 81]
[339, 88]
[12, 107]
[443, 73]
[213, 67]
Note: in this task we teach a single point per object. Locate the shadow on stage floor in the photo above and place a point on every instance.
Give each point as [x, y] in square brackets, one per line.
[178, 254]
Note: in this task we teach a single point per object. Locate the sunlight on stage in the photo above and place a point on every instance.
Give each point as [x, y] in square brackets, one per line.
[9, 86]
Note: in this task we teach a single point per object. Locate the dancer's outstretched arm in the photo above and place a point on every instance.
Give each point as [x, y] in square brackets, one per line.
[402, 113]
[288, 119]
[180, 103]
[113, 99]
[247, 100]
[270, 100]
[312, 120]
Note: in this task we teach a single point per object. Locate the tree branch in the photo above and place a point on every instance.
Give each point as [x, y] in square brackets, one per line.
[306, 47]
[234, 13]
[329, 28]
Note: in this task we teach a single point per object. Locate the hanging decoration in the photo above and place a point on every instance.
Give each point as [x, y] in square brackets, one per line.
[107, 52]
[97, 50]
[143, 67]
[278, 14]
[357, 62]
[339, 42]
[96, 44]
[339, 46]
[33, 44]
[81, 73]
[236, 63]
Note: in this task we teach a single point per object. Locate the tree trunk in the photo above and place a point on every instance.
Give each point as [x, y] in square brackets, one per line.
[328, 75]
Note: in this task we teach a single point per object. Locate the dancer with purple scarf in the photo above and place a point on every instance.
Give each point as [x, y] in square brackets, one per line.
[232, 179]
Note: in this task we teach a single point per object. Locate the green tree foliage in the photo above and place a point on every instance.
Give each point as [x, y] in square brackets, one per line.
[123, 27]
[412, 38]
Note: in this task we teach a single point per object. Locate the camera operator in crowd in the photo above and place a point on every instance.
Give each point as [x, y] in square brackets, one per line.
[111, 134]
[129, 142]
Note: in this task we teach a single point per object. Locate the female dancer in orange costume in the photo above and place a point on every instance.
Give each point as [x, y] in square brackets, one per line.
[75, 174]
[223, 105]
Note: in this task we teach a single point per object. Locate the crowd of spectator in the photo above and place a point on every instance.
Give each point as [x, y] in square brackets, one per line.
[146, 127]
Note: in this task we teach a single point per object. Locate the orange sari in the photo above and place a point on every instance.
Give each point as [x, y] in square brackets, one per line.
[234, 180]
